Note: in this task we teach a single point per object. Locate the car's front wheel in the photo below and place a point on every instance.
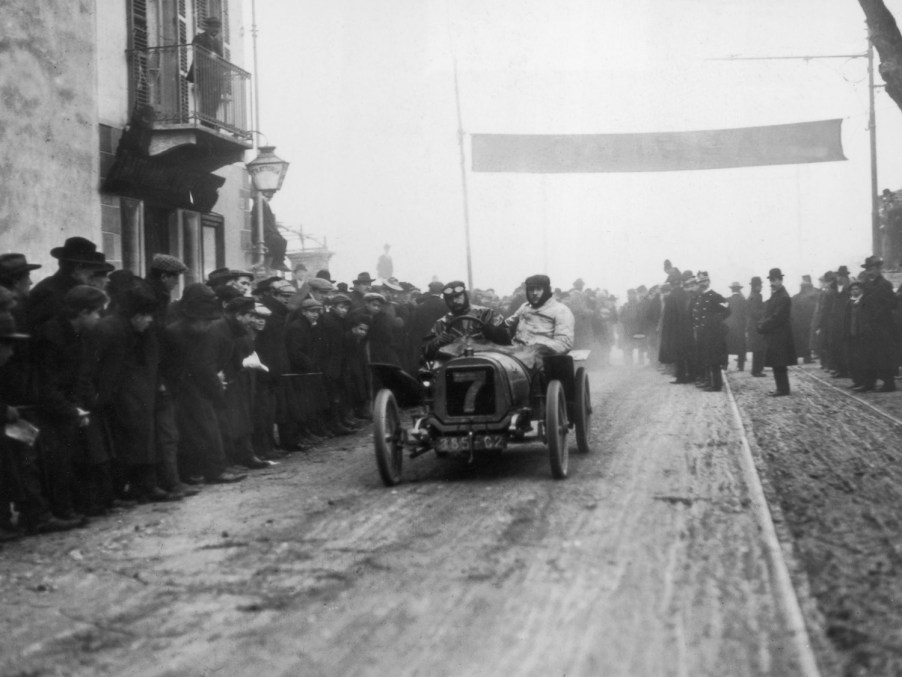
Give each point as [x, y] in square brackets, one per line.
[388, 437]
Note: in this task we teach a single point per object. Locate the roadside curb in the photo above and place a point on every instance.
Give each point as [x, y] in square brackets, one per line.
[788, 599]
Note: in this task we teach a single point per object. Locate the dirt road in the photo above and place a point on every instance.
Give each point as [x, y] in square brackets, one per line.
[646, 561]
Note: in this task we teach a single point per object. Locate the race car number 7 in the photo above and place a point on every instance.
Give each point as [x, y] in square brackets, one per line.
[477, 380]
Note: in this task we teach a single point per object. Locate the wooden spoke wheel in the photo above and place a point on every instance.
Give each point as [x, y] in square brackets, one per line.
[556, 429]
[388, 437]
[582, 410]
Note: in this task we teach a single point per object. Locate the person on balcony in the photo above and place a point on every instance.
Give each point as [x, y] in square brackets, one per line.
[207, 72]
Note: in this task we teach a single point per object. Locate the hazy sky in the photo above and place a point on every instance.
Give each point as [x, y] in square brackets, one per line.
[358, 95]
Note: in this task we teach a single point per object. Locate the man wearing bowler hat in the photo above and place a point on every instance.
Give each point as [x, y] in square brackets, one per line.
[79, 262]
[362, 286]
[15, 275]
[775, 325]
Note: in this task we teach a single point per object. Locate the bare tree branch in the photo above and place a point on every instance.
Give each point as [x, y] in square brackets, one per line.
[887, 41]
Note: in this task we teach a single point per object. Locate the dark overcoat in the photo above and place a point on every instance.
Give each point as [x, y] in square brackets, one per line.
[736, 324]
[127, 377]
[877, 327]
[236, 420]
[709, 312]
[803, 305]
[776, 327]
[676, 328]
[430, 308]
[755, 311]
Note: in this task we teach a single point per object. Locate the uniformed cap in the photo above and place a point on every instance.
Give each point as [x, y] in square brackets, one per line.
[167, 264]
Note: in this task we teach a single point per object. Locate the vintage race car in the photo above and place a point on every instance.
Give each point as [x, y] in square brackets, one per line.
[478, 402]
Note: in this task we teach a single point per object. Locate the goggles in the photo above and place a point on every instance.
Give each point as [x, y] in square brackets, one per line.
[449, 291]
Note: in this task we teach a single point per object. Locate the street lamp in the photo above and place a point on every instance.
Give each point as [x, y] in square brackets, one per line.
[267, 172]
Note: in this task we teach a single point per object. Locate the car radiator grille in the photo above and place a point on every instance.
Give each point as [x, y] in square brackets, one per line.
[470, 392]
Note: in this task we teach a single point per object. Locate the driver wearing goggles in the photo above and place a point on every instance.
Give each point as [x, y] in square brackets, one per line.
[447, 329]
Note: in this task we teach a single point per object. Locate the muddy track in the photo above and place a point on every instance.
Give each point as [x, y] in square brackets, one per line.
[646, 561]
[833, 467]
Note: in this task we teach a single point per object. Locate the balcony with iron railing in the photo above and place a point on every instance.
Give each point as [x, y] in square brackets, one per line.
[195, 97]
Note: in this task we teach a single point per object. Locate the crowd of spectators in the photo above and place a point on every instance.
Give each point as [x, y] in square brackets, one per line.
[851, 325]
[114, 393]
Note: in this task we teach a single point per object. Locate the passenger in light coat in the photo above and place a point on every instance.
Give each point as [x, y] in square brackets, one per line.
[542, 321]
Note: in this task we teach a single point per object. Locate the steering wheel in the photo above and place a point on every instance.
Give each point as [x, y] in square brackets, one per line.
[475, 327]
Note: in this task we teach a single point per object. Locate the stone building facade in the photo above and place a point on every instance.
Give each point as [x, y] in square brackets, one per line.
[106, 138]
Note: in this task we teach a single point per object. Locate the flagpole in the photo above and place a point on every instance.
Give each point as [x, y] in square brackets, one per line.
[463, 178]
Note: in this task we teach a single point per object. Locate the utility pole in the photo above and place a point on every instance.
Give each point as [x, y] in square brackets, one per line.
[876, 244]
[463, 178]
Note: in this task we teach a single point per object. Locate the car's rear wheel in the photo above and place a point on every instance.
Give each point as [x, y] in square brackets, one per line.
[556, 429]
[388, 437]
[582, 410]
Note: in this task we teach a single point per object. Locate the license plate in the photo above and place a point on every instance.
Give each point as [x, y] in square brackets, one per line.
[462, 442]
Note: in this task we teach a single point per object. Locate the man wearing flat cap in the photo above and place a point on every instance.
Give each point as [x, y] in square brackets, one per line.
[239, 366]
[776, 327]
[877, 327]
[163, 277]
